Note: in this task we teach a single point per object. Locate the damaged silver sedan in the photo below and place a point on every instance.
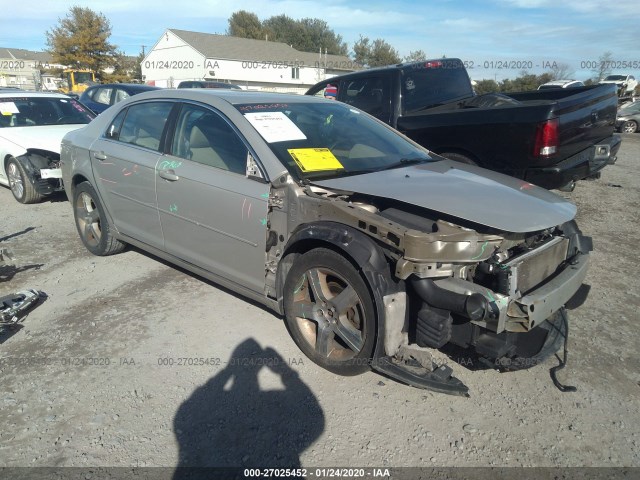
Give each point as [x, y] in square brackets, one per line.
[31, 128]
[374, 250]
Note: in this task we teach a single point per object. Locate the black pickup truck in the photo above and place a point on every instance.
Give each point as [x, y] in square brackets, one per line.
[549, 137]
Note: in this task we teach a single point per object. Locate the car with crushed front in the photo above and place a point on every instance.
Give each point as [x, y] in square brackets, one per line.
[32, 125]
[376, 251]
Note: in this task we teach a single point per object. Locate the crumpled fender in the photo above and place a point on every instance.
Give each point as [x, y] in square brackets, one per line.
[368, 256]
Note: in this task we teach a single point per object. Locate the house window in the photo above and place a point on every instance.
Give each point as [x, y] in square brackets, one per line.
[295, 72]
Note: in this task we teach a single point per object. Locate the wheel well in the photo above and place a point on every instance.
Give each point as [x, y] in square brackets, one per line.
[366, 256]
[77, 180]
[6, 160]
[301, 247]
[459, 151]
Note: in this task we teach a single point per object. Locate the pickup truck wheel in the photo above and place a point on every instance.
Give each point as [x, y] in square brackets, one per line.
[629, 127]
[329, 312]
[458, 157]
[22, 189]
[92, 223]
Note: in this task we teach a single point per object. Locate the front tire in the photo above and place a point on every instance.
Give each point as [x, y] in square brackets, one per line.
[329, 312]
[92, 223]
[629, 127]
[21, 188]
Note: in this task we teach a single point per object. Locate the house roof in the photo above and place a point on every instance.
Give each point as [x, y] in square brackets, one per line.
[226, 47]
[22, 54]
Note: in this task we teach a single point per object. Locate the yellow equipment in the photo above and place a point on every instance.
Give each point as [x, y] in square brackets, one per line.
[77, 81]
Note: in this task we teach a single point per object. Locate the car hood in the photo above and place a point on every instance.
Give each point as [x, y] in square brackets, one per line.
[617, 82]
[46, 137]
[466, 192]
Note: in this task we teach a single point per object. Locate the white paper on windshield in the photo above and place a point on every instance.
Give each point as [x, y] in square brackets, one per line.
[275, 126]
[7, 108]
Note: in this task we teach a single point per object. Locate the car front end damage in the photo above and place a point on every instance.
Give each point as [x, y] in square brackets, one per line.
[442, 282]
[42, 169]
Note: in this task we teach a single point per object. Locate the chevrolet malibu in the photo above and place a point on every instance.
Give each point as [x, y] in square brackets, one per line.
[31, 128]
[374, 250]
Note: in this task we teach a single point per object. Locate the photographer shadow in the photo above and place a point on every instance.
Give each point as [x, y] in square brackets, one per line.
[231, 423]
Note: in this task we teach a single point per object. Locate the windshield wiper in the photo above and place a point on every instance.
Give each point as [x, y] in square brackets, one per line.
[403, 162]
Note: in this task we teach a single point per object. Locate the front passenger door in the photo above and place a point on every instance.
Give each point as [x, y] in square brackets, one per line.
[212, 215]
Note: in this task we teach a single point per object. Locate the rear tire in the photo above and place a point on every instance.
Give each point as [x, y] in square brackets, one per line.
[21, 188]
[92, 223]
[329, 312]
[458, 157]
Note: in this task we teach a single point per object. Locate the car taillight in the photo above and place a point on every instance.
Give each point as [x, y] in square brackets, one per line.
[546, 139]
[435, 64]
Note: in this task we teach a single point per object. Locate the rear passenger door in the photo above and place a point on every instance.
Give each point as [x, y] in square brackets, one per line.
[212, 215]
[124, 161]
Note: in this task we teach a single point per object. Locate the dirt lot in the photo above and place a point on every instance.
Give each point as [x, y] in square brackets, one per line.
[131, 362]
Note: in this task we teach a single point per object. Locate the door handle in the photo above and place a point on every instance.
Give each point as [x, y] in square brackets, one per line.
[99, 156]
[168, 175]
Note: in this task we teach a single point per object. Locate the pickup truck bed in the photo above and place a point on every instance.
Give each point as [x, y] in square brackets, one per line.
[549, 137]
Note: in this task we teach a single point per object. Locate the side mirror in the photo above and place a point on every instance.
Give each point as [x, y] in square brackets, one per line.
[253, 170]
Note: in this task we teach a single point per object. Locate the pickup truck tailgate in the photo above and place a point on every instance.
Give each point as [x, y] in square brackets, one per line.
[586, 115]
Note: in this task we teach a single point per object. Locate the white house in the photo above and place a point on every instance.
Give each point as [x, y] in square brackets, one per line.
[253, 64]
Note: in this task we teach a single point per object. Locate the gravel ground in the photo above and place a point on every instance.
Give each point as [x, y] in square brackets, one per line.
[97, 376]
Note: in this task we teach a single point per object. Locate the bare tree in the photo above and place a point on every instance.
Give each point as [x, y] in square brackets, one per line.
[603, 68]
[562, 71]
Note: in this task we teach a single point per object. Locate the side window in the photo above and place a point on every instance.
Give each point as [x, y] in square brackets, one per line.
[103, 95]
[203, 136]
[113, 132]
[144, 123]
[318, 92]
[121, 95]
[371, 94]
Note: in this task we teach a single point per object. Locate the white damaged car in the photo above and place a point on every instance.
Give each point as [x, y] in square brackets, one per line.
[31, 128]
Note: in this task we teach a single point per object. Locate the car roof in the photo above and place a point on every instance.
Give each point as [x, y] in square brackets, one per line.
[560, 82]
[233, 97]
[128, 86]
[24, 93]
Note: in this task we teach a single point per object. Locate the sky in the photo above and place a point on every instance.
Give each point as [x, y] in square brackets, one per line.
[496, 38]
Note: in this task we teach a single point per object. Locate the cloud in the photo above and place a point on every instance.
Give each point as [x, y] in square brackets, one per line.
[601, 8]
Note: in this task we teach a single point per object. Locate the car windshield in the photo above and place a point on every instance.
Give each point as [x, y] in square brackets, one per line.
[39, 111]
[329, 139]
[616, 77]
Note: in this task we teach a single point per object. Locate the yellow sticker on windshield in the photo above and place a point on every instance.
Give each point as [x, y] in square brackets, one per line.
[315, 159]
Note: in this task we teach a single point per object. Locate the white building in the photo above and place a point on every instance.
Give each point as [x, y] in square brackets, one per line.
[253, 64]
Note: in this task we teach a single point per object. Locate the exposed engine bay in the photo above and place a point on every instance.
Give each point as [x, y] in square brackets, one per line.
[449, 282]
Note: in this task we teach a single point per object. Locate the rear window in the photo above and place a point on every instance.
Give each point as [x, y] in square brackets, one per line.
[431, 83]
